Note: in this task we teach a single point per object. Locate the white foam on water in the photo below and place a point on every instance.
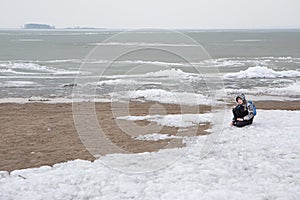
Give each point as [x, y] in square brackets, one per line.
[19, 84]
[175, 73]
[163, 96]
[247, 61]
[72, 60]
[290, 90]
[286, 92]
[62, 61]
[237, 62]
[34, 68]
[262, 72]
[142, 44]
[168, 73]
[27, 66]
[136, 62]
[116, 82]
[219, 62]
[29, 40]
[92, 33]
[248, 40]
[161, 75]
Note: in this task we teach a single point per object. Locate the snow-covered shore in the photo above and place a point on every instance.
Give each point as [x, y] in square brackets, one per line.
[257, 162]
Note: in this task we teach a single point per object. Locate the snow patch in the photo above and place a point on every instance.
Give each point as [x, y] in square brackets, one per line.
[260, 161]
[156, 137]
[179, 120]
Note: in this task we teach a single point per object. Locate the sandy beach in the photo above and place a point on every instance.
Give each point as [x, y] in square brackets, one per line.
[36, 134]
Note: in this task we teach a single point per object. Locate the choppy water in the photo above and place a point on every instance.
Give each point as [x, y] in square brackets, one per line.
[46, 63]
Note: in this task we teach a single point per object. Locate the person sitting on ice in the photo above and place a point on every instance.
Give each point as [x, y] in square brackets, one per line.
[244, 112]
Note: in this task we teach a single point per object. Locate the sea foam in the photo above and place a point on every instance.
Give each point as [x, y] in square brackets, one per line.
[262, 72]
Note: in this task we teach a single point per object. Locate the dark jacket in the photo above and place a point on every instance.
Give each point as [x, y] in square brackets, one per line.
[244, 111]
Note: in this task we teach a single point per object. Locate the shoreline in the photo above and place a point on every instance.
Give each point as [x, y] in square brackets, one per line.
[37, 133]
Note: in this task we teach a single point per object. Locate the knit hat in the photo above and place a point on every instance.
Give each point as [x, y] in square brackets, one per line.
[241, 96]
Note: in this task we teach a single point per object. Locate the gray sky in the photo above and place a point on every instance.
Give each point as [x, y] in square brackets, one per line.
[195, 14]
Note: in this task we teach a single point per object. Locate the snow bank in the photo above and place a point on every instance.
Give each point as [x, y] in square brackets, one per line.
[256, 162]
[262, 72]
[184, 120]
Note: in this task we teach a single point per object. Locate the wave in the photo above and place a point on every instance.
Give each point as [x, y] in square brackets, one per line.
[63, 61]
[218, 62]
[143, 44]
[168, 73]
[248, 40]
[71, 60]
[95, 61]
[10, 72]
[32, 69]
[252, 62]
[27, 66]
[175, 73]
[290, 90]
[151, 79]
[19, 84]
[163, 96]
[123, 82]
[262, 72]
[29, 40]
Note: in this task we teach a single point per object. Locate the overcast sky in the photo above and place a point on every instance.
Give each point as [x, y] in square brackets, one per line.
[195, 14]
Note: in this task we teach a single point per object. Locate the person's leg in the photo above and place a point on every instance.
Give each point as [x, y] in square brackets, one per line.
[235, 113]
[243, 123]
[250, 121]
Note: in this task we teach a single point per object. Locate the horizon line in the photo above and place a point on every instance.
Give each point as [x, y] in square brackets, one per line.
[120, 28]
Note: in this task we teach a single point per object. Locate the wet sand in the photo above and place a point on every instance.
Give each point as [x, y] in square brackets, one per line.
[36, 134]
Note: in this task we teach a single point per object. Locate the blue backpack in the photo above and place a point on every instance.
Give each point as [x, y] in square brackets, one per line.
[254, 108]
